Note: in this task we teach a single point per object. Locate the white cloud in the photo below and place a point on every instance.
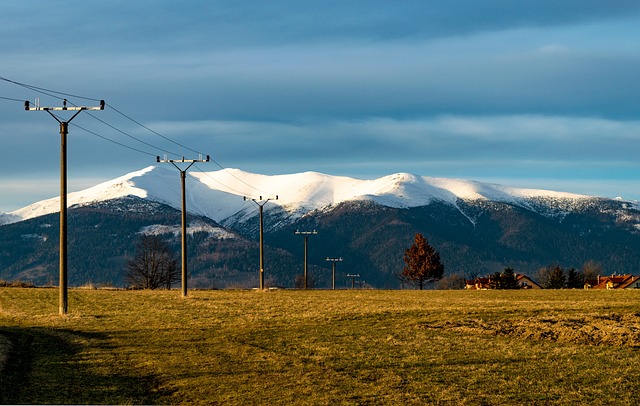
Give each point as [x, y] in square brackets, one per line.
[453, 88]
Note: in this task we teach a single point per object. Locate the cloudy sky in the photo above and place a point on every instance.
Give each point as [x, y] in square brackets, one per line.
[539, 94]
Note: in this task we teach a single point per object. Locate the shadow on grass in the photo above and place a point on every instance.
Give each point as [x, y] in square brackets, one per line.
[46, 367]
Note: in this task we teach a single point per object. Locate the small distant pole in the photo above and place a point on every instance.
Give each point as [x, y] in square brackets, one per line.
[333, 270]
[353, 279]
[183, 175]
[261, 202]
[64, 130]
[306, 235]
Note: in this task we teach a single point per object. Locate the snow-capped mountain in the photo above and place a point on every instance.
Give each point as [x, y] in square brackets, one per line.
[219, 195]
[478, 228]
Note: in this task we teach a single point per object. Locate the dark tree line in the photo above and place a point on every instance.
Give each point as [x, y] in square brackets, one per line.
[505, 280]
[555, 277]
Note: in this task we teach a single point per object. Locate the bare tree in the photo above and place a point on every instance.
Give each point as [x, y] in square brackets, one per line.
[591, 270]
[552, 277]
[452, 282]
[401, 278]
[299, 282]
[154, 265]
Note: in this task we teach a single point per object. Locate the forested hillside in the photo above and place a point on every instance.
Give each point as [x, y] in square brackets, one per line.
[473, 238]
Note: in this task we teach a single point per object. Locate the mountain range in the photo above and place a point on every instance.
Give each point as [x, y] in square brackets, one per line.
[477, 227]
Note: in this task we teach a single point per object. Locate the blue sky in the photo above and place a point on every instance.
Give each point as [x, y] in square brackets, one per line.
[537, 94]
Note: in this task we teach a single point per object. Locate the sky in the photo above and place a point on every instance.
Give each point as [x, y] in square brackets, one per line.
[537, 94]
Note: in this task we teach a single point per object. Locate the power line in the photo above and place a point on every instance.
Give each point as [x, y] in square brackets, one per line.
[333, 270]
[11, 99]
[64, 129]
[124, 133]
[216, 180]
[183, 175]
[33, 88]
[306, 235]
[114, 128]
[113, 141]
[153, 146]
[235, 177]
[131, 136]
[238, 179]
[154, 132]
[46, 91]
[55, 94]
[261, 202]
[109, 139]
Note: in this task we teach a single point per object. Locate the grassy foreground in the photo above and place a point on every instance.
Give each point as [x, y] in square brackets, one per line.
[321, 347]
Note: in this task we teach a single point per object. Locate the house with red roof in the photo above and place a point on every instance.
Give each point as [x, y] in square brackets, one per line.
[485, 283]
[478, 284]
[614, 282]
[526, 282]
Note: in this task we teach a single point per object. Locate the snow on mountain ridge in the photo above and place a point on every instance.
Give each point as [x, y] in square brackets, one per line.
[113, 189]
[194, 227]
[218, 194]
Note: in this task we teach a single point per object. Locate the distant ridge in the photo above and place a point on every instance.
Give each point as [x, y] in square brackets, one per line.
[219, 194]
[478, 228]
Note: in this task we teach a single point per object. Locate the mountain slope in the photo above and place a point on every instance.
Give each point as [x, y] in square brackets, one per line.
[477, 227]
[102, 238]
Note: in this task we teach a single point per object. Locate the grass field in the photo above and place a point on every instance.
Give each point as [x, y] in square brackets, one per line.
[321, 347]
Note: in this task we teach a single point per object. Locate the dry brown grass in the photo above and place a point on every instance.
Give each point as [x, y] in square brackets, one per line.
[597, 329]
[326, 347]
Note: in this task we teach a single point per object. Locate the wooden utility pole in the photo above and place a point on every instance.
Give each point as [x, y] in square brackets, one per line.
[63, 303]
[353, 279]
[260, 202]
[183, 176]
[333, 270]
[306, 235]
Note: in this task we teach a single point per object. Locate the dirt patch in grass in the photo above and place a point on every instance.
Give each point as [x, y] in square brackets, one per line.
[608, 329]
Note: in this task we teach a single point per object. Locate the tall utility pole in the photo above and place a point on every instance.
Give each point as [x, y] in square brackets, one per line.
[353, 279]
[183, 175]
[333, 270]
[64, 130]
[260, 202]
[306, 235]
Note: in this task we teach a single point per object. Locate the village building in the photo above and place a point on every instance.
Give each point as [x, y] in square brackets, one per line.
[485, 283]
[526, 282]
[478, 284]
[614, 282]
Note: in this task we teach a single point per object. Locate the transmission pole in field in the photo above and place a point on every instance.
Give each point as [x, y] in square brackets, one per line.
[260, 202]
[353, 279]
[64, 130]
[333, 270]
[306, 235]
[183, 175]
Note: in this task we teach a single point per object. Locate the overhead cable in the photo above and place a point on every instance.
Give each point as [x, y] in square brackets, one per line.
[130, 136]
[55, 94]
[113, 141]
[46, 91]
[155, 132]
[12, 99]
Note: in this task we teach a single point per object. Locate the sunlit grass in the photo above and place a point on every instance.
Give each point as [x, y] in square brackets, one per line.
[324, 347]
